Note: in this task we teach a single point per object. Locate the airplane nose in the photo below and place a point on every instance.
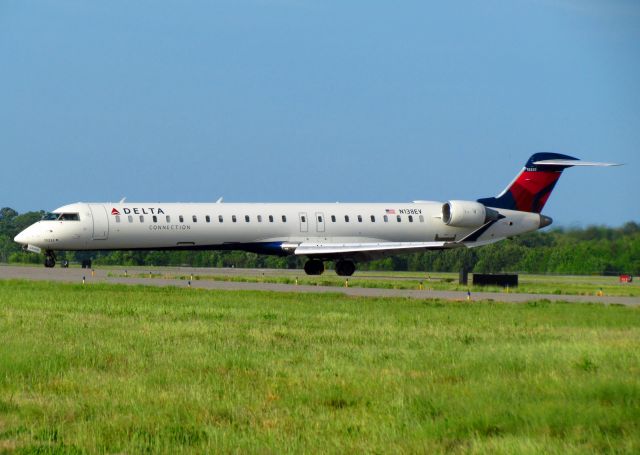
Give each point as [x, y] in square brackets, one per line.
[21, 238]
[27, 236]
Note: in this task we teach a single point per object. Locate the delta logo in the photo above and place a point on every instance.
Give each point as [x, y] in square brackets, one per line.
[138, 211]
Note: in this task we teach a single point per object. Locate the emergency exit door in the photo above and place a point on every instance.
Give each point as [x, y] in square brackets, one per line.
[304, 222]
[319, 222]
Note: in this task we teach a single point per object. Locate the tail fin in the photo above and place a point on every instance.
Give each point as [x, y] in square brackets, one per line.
[532, 187]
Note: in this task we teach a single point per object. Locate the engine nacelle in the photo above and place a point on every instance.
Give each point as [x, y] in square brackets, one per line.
[467, 214]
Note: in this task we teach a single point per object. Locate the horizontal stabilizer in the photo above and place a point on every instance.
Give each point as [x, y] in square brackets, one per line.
[572, 163]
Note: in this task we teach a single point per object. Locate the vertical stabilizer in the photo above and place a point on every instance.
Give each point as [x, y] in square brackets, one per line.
[531, 188]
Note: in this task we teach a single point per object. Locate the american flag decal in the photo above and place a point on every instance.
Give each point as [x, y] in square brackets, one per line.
[390, 211]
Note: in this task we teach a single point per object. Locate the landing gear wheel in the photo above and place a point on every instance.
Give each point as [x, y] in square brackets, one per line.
[345, 268]
[49, 259]
[314, 267]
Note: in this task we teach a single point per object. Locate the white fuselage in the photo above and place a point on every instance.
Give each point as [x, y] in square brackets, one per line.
[262, 227]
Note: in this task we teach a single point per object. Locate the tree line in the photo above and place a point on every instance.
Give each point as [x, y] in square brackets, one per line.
[590, 250]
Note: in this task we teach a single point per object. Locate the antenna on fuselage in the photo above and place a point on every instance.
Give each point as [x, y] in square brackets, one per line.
[219, 201]
[122, 200]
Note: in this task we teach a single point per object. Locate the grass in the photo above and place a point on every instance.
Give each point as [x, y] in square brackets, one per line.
[528, 284]
[128, 369]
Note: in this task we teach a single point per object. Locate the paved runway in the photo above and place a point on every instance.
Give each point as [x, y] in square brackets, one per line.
[75, 275]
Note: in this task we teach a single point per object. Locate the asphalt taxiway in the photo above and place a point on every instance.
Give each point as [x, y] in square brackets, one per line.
[111, 275]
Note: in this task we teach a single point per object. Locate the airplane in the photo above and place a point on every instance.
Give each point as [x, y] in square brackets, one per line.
[345, 233]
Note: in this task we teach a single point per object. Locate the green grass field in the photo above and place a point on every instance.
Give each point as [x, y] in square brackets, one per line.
[126, 369]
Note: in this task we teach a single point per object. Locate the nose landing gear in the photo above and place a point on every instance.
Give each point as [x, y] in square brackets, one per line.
[49, 259]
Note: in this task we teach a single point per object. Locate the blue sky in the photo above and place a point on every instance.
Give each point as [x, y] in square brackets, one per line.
[284, 100]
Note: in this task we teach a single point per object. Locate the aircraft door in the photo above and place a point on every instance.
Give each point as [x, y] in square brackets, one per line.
[100, 222]
[319, 221]
[304, 222]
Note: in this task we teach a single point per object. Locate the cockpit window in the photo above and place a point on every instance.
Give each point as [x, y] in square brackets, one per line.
[50, 216]
[69, 217]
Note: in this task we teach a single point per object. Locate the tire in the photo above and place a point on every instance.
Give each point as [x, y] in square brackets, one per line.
[345, 268]
[314, 267]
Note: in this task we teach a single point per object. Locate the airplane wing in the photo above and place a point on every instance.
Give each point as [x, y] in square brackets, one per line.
[368, 250]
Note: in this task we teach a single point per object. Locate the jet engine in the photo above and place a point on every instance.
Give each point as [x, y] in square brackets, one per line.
[467, 214]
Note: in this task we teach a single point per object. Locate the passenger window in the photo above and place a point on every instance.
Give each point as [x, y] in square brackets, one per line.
[168, 219]
[207, 219]
[259, 218]
[398, 218]
[284, 218]
[233, 218]
[155, 219]
[194, 218]
[346, 218]
[373, 219]
[246, 218]
[220, 218]
[117, 218]
[410, 218]
[130, 217]
[142, 218]
[181, 218]
[359, 218]
[421, 218]
[333, 218]
[270, 218]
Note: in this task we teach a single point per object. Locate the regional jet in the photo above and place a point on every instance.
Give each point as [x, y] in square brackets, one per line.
[345, 233]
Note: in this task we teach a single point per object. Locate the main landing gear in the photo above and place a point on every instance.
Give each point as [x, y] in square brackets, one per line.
[49, 259]
[344, 267]
[314, 267]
